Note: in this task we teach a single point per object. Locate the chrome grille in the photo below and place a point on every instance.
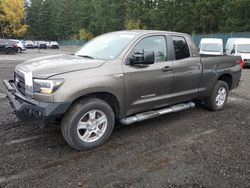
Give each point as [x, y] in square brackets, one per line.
[20, 83]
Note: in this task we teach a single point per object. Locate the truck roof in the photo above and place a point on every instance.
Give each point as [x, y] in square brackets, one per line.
[142, 32]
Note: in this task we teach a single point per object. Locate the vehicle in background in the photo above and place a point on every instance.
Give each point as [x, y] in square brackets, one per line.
[53, 45]
[29, 44]
[20, 45]
[239, 47]
[211, 46]
[126, 76]
[35, 44]
[42, 45]
[47, 43]
[8, 47]
[13, 43]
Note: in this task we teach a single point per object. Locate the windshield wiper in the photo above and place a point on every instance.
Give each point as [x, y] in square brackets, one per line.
[86, 56]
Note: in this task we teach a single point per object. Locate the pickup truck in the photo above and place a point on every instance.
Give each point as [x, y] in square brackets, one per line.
[124, 76]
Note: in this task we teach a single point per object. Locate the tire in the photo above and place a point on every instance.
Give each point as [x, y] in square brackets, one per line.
[10, 51]
[19, 50]
[218, 98]
[93, 133]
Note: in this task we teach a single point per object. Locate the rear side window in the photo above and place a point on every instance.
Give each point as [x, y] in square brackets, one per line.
[180, 47]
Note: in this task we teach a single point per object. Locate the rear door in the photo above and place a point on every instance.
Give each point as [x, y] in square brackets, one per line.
[148, 87]
[187, 69]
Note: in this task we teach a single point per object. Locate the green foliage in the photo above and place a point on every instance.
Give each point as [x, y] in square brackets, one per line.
[11, 18]
[64, 19]
[83, 35]
[133, 24]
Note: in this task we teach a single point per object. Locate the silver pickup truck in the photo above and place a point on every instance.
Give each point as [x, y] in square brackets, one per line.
[128, 76]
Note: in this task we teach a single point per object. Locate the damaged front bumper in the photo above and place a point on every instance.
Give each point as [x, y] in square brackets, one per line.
[33, 112]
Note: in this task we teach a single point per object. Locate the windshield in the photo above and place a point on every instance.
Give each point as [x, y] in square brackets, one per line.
[106, 47]
[211, 47]
[243, 48]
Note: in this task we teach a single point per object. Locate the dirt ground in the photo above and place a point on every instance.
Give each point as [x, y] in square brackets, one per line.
[194, 148]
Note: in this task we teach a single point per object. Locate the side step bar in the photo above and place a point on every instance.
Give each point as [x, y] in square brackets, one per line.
[156, 113]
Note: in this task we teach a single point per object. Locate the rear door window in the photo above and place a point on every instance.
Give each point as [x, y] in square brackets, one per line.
[180, 47]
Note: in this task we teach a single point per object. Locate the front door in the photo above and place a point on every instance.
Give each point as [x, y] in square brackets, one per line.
[148, 87]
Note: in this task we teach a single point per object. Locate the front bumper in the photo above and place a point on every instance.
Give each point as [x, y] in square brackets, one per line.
[32, 112]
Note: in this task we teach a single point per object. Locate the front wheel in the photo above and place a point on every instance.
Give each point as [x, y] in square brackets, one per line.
[218, 98]
[10, 51]
[88, 124]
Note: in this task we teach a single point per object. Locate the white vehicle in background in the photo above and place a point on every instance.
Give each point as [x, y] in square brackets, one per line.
[239, 47]
[47, 44]
[29, 44]
[42, 45]
[53, 45]
[35, 44]
[211, 46]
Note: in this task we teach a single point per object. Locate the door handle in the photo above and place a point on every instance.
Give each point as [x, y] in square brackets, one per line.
[167, 69]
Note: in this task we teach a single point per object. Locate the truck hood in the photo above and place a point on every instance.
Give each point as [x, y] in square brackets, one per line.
[57, 64]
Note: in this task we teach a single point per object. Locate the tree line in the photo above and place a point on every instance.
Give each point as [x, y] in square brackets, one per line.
[84, 19]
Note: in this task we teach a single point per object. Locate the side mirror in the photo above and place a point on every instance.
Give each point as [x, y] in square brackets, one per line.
[233, 51]
[145, 58]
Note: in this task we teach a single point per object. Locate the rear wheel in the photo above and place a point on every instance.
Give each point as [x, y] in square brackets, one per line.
[88, 124]
[218, 97]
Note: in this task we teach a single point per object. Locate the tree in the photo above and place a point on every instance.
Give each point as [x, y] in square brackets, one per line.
[208, 15]
[132, 24]
[11, 18]
[63, 19]
[237, 16]
[83, 34]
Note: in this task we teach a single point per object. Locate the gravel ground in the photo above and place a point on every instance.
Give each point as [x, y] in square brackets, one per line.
[194, 148]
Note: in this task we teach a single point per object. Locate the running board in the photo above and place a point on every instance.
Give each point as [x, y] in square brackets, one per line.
[156, 113]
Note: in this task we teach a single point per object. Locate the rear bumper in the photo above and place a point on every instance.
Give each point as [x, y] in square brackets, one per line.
[32, 112]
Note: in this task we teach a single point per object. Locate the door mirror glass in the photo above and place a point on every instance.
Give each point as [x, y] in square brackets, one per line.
[145, 58]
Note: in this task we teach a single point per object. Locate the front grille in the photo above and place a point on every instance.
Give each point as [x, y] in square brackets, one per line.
[20, 83]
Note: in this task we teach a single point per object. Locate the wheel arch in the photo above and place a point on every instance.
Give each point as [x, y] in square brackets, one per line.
[108, 97]
[228, 78]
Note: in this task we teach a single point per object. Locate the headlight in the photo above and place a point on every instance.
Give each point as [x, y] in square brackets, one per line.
[47, 86]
